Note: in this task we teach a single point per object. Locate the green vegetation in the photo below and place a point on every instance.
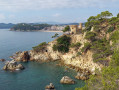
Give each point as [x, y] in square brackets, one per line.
[107, 79]
[101, 49]
[118, 15]
[111, 29]
[104, 52]
[77, 45]
[79, 53]
[62, 44]
[90, 36]
[97, 20]
[40, 47]
[67, 28]
[114, 21]
[56, 35]
[115, 37]
[25, 27]
[86, 47]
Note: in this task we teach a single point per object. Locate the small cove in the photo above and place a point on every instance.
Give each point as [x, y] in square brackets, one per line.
[36, 75]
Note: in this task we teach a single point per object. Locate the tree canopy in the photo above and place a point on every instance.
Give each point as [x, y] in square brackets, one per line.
[25, 27]
[67, 28]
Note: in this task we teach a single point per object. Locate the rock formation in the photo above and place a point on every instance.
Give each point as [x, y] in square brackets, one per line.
[13, 65]
[82, 76]
[67, 80]
[83, 61]
[50, 87]
[22, 56]
[2, 60]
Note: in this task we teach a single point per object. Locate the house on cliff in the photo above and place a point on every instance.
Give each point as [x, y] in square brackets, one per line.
[76, 29]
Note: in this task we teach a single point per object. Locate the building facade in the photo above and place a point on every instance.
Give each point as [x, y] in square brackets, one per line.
[76, 29]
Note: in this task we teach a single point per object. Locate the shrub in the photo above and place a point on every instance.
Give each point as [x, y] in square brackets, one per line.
[40, 47]
[54, 47]
[115, 36]
[86, 47]
[90, 36]
[118, 27]
[115, 58]
[67, 28]
[79, 53]
[62, 44]
[101, 49]
[110, 29]
[56, 35]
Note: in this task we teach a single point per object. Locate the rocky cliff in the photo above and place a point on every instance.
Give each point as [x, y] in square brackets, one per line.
[84, 61]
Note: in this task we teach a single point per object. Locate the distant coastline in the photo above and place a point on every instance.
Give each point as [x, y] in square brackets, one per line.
[36, 30]
[50, 31]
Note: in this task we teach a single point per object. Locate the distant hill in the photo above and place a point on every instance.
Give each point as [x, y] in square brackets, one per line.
[28, 27]
[6, 26]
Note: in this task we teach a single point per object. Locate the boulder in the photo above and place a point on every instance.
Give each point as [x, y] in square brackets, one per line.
[67, 80]
[2, 60]
[20, 66]
[82, 76]
[13, 65]
[50, 87]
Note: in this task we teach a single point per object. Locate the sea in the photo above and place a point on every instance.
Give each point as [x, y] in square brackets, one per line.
[36, 75]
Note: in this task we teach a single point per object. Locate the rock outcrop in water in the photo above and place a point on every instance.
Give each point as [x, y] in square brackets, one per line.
[2, 60]
[22, 56]
[13, 65]
[67, 80]
[50, 87]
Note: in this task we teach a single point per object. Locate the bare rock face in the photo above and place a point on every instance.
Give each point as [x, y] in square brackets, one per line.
[2, 60]
[82, 76]
[50, 87]
[25, 56]
[67, 80]
[22, 56]
[13, 65]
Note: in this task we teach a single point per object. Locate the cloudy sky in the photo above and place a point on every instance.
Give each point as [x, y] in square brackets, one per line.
[64, 11]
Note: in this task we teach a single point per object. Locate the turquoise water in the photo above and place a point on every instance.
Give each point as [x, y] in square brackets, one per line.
[36, 75]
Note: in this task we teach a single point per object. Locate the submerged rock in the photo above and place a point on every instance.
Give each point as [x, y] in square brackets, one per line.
[2, 60]
[50, 87]
[13, 65]
[67, 80]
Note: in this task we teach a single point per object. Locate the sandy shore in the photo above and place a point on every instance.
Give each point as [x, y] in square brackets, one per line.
[49, 31]
[36, 31]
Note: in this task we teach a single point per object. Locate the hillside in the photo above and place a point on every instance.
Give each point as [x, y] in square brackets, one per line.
[6, 26]
[103, 32]
[28, 27]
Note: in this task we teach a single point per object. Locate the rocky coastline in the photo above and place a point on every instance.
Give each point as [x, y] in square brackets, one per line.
[79, 63]
[82, 64]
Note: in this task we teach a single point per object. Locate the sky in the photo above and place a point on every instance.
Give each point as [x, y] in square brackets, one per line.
[62, 11]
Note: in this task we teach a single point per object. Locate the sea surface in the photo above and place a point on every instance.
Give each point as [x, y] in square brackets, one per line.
[36, 75]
